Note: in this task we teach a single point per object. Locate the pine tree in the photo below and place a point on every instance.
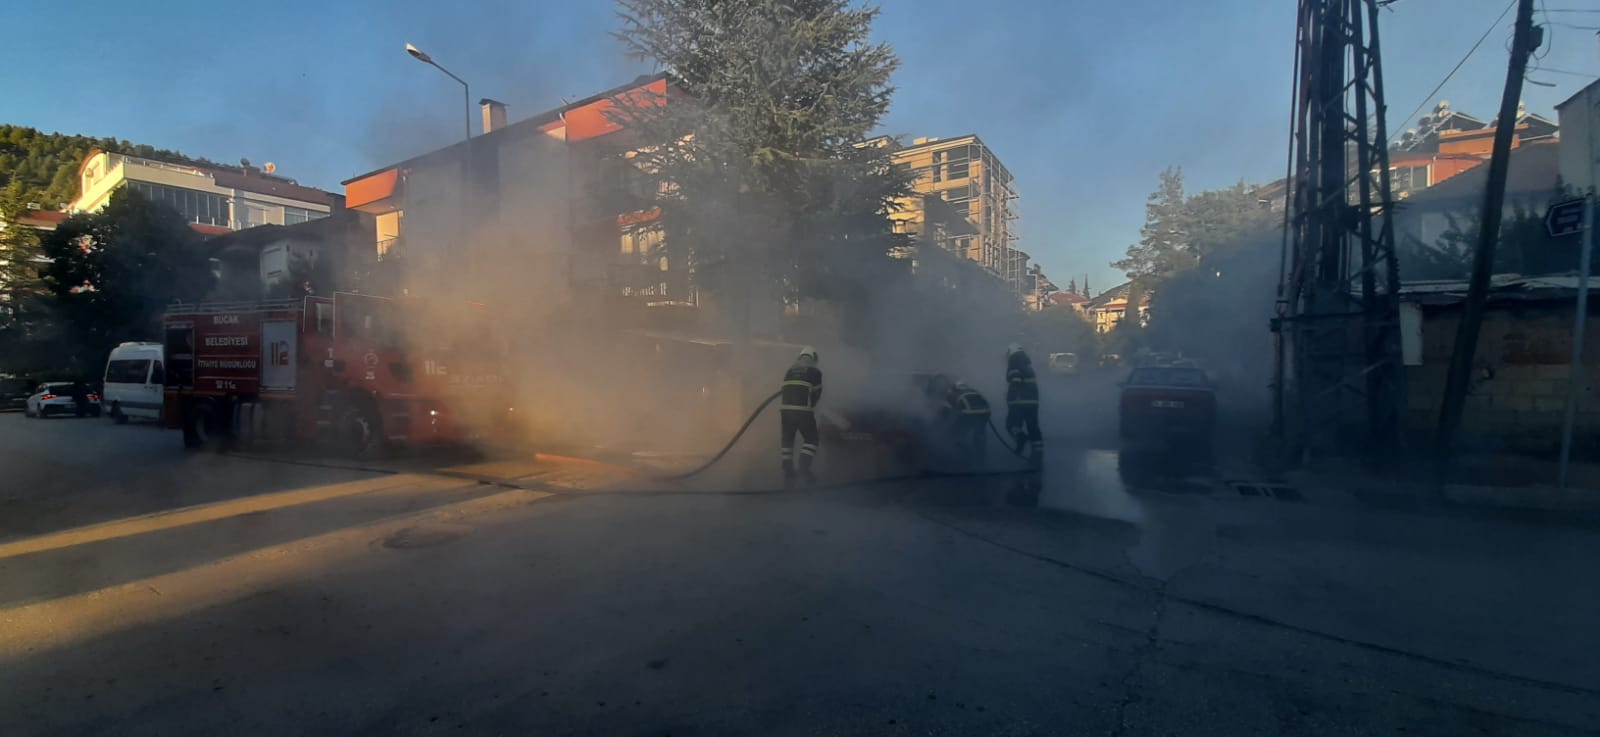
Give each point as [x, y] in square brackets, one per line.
[1164, 247]
[763, 178]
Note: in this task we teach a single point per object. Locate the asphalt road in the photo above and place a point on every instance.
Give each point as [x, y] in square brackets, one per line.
[1100, 598]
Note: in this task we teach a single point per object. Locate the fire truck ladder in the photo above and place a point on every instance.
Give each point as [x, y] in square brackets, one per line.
[1338, 374]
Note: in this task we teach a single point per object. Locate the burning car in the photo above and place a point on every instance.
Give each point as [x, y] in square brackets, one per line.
[896, 412]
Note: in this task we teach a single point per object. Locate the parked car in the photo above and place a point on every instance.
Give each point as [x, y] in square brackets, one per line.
[14, 393]
[1168, 408]
[1063, 363]
[63, 398]
[133, 381]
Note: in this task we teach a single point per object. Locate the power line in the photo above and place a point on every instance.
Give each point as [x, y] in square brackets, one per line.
[1452, 73]
[1564, 71]
[1571, 10]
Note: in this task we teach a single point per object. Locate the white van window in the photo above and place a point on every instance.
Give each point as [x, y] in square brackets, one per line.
[157, 376]
[127, 371]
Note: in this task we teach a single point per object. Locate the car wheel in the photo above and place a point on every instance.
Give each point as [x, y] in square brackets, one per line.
[116, 414]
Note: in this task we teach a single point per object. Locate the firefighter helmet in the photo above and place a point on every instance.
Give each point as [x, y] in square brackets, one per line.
[807, 354]
[1013, 349]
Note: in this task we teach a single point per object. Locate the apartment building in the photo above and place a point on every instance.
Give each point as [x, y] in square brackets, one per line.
[211, 199]
[546, 200]
[973, 194]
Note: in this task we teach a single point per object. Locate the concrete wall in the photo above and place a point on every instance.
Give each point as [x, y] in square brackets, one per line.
[1519, 389]
[1578, 117]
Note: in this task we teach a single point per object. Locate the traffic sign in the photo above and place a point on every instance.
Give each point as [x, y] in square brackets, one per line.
[1564, 218]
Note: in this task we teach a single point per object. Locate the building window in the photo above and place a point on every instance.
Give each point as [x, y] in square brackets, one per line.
[958, 158]
[193, 206]
[254, 215]
[639, 243]
[1408, 178]
[297, 215]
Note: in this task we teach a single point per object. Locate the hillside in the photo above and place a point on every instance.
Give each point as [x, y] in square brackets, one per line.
[46, 164]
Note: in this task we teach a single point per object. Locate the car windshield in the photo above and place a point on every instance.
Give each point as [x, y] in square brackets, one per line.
[1168, 376]
[589, 368]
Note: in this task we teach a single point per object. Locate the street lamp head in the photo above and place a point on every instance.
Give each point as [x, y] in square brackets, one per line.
[418, 54]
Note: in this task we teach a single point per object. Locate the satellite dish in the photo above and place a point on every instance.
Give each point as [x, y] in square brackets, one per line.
[269, 167]
[244, 162]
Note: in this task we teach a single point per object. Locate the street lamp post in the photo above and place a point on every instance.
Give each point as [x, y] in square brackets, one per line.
[466, 91]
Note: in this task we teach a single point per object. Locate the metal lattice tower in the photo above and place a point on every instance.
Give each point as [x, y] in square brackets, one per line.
[1339, 373]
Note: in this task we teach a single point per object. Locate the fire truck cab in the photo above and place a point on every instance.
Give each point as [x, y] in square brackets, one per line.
[351, 370]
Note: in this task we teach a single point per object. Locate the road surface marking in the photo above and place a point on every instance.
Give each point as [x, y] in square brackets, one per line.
[180, 517]
[575, 474]
[31, 629]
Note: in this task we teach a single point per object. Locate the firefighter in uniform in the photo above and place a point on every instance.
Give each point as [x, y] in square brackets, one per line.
[969, 415]
[1022, 403]
[797, 404]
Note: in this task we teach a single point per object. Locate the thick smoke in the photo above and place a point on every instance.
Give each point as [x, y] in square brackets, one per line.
[592, 369]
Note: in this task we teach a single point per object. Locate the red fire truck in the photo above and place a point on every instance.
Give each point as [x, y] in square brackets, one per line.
[350, 370]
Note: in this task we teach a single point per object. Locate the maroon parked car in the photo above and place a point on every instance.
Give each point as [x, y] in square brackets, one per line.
[1168, 407]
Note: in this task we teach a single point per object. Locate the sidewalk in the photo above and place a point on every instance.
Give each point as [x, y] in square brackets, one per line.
[1482, 485]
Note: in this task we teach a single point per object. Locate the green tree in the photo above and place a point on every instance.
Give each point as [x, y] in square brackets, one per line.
[1525, 247]
[46, 164]
[760, 170]
[1181, 231]
[20, 255]
[112, 273]
[1061, 330]
[1164, 246]
[30, 340]
[1208, 260]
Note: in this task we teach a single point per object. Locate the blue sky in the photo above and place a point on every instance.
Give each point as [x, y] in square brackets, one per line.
[1086, 102]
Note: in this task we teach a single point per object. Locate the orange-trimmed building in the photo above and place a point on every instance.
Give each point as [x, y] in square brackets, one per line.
[545, 199]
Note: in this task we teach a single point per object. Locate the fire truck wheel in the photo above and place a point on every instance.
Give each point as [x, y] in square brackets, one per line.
[202, 429]
[358, 431]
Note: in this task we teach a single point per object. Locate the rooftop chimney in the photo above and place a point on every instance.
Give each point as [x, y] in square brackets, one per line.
[494, 114]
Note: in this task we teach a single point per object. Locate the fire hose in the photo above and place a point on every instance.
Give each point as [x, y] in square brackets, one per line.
[725, 448]
[1016, 451]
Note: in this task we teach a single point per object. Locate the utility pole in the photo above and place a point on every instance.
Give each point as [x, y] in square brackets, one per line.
[1337, 354]
[1590, 202]
[1524, 39]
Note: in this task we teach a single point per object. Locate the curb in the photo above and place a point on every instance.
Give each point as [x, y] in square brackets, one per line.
[1540, 498]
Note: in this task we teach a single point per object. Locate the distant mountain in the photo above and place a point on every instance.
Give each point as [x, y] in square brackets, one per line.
[46, 164]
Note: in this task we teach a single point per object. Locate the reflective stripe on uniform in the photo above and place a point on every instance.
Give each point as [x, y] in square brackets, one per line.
[810, 392]
[807, 449]
[1016, 402]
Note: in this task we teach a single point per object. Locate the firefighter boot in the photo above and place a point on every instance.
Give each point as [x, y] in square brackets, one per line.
[806, 477]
